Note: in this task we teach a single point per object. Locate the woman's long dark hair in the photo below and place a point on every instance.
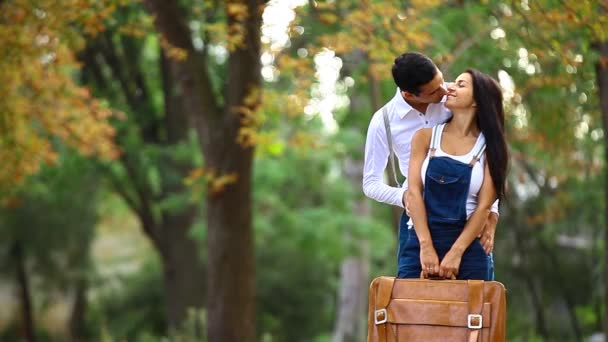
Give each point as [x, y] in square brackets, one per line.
[491, 121]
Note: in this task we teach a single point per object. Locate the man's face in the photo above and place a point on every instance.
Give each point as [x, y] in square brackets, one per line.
[431, 92]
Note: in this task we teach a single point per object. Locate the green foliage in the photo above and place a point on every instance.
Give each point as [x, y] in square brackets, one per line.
[13, 333]
[133, 308]
[53, 219]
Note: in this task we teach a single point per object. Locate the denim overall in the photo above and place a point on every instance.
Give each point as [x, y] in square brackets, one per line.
[445, 194]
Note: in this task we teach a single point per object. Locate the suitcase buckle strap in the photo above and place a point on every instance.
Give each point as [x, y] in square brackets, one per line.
[474, 321]
[380, 316]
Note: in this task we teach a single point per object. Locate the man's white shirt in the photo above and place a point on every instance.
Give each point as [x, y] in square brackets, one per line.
[404, 121]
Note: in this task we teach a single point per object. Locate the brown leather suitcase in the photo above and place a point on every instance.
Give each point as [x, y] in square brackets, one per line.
[436, 310]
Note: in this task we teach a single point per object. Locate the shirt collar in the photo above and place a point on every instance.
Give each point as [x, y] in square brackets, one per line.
[403, 108]
[400, 106]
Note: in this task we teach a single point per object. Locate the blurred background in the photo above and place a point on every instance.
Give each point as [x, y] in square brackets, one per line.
[191, 170]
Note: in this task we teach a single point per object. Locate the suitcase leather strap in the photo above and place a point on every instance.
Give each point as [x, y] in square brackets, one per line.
[383, 297]
[474, 319]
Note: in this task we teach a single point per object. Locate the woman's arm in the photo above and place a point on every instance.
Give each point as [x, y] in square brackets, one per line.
[487, 195]
[428, 256]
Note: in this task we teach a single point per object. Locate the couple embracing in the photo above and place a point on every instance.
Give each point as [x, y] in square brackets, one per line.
[449, 139]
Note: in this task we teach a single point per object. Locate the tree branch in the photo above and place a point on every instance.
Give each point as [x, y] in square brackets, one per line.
[170, 23]
[148, 121]
[132, 84]
[108, 51]
[120, 189]
[191, 75]
[92, 68]
[144, 196]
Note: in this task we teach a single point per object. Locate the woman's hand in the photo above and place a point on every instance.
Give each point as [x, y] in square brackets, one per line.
[429, 261]
[450, 264]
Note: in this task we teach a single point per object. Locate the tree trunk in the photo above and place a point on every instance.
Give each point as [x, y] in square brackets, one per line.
[566, 291]
[602, 81]
[351, 302]
[528, 278]
[28, 332]
[230, 292]
[77, 322]
[354, 274]
[231, 281]
[183, 268]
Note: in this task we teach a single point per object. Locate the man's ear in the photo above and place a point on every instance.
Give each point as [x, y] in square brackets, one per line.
[407, 95]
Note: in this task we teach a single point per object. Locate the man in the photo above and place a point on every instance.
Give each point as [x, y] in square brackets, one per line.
[418, 103]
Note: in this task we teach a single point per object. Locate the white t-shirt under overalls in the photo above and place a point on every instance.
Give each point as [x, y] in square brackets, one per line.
[477, 174]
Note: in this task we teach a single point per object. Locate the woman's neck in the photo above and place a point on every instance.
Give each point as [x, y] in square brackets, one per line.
[463, 124]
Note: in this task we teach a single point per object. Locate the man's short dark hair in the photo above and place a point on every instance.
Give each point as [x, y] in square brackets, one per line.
[412, 70]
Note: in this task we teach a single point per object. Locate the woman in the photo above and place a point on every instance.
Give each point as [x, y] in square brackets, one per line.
[457, 170]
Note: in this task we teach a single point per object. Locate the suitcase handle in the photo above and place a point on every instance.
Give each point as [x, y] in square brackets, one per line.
[435, 277]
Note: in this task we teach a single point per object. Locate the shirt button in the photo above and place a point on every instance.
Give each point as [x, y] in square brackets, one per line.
[427, 122]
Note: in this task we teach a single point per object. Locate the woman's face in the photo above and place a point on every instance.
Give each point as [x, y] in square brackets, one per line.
[460, 93]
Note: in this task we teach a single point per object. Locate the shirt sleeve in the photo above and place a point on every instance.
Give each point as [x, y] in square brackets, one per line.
[375, 161]
[494, 208]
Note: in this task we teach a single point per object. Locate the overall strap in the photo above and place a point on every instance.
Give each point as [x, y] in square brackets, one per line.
[389, 138]
[477, 155]
[435, 141]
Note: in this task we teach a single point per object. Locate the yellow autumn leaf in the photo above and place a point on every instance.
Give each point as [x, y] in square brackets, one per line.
[40, 99]
[218, 184]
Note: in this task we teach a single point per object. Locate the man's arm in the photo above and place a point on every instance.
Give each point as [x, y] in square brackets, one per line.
[375, 161]
[489, 229]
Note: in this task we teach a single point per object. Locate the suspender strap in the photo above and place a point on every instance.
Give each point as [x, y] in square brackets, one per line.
[383, 297]
[474, 319]
[477, 155]
[435, 140]
[389, 138]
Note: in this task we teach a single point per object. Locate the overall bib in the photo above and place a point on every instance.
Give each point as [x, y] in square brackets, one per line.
[445, 193]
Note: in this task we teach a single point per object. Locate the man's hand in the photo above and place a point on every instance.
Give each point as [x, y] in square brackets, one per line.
[487, 233]
[406, 204]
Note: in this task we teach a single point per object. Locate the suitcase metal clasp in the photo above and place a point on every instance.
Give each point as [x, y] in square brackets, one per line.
[380, 316]
[474, 321]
